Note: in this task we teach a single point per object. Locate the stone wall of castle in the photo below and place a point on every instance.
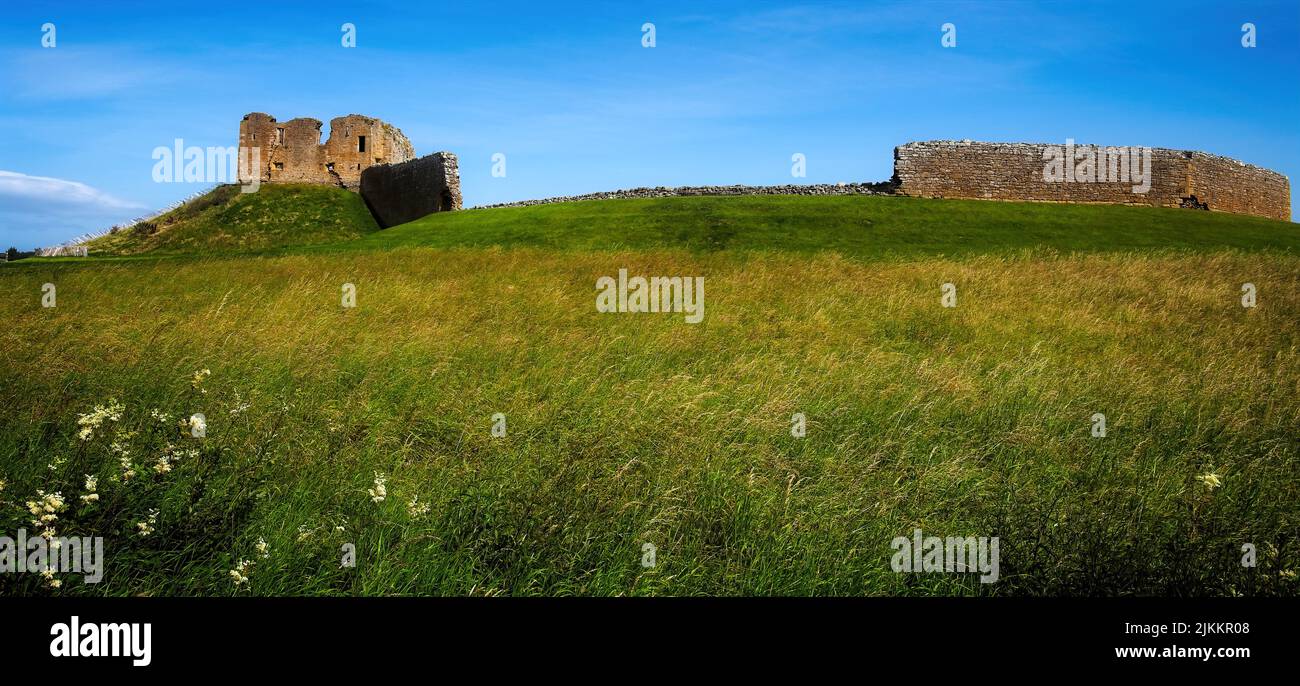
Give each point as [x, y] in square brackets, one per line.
[399, 193]
[291, 151]
[1016, 171]
[370, 156]
[876, 188]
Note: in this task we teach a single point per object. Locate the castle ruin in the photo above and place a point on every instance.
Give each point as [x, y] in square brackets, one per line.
[362, 154]
[1015, 171]
[1023, 172]
[369, 156]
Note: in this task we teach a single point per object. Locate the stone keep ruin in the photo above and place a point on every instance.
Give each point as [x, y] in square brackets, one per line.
[363, 154]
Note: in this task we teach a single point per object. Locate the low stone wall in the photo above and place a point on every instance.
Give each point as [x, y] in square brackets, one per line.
[1015, 171]
[883, 188]
[399, 193]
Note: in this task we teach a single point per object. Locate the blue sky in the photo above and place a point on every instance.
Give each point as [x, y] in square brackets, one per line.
[570, 96]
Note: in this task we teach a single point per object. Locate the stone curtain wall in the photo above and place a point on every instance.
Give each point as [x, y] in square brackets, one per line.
[1231, 186]
[291, 151]
[399, 193]
[1014, 171]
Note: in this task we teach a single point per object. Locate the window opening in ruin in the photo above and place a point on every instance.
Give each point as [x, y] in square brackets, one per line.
[279, 136]
[279, 166]
[361, 143]
[330, 167]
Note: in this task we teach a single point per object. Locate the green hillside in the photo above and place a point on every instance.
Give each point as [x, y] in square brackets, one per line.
[372, 426]
[228, 220]
[316, 219]
[854, 226]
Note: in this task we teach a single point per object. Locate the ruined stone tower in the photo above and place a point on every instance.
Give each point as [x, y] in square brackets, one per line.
[291, 151]
[398, 187]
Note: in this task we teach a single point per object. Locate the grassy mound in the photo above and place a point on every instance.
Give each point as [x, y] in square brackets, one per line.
[870, 227]
[630, 429]
[227, 220]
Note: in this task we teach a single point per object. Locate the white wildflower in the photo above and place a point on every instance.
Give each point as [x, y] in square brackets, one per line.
[128, 470]
[379, 491]
[1210, 480]
[46, 508]
[263, 549]
[147, 527]
[170, 456]
[417, 509]
[92, 483]
[92, 420]
[197, 381]
[241, 572]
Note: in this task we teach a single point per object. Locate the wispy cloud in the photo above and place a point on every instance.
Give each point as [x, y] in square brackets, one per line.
[47, 194]
[80, 73]
[40, 210]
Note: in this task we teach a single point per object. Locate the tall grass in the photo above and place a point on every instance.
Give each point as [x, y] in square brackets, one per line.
[631, 429]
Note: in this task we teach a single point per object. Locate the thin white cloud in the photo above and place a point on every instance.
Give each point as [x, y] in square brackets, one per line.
[50, 194]
[83, 73]
[40, 210]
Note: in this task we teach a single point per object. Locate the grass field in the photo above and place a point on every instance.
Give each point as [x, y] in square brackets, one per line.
[227, 220]
[628, 429]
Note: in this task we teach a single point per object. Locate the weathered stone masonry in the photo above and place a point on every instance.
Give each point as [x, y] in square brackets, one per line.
[371, 157]
[399, 193]
[401, 188]
[291, 151]
[1014, 171]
